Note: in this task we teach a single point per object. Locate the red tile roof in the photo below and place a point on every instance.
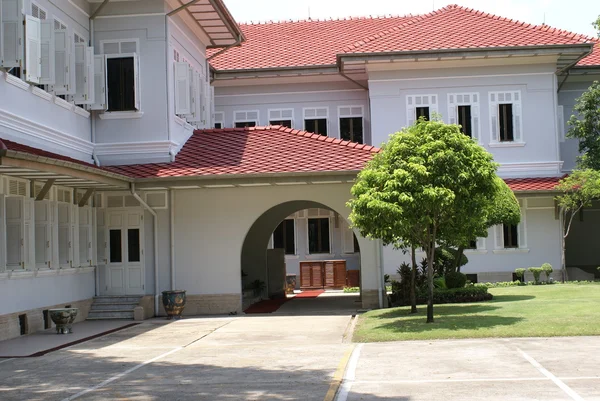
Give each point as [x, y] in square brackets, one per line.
[317, 43]
[532, 184]
[591, 60]
[456, 27]
[5, 144]
[258, 150]
[298, 43]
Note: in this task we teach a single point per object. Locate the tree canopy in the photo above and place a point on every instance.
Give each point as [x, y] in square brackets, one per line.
[428, 181]
[584, 125]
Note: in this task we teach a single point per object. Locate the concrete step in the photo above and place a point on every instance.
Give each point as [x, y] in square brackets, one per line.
[118, 299]
[113, 306]
[110, 314]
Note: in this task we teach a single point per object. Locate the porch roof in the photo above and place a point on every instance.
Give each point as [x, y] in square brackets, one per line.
[22, 161]
[533, 184]
[246, 152]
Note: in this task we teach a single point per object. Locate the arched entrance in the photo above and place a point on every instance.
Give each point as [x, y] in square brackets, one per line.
[323, 252]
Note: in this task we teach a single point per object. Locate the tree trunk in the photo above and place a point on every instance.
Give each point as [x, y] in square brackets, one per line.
[430, 256]
[413, 284]
[458, 257]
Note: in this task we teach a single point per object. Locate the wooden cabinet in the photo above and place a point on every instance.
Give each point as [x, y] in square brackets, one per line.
[323, 274]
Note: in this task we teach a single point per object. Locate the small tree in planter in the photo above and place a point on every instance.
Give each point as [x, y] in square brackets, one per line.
[520, 274]
[537, 273]
[547, 269]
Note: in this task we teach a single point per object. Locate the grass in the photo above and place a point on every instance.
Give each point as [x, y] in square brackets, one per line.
[528, 311]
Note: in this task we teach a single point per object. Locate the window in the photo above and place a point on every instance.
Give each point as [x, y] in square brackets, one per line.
[284, 237]
[244, 119]
[463, 109]
[218, 125]
[315, 120]
[282, 117]
[351, 123]
[472, 244]
[120, 78]
[511, 236]
[133, 245]
[115, 247]
[505, 117]
[218, 119]
[38, 12]
[420, 106]
[318, 235]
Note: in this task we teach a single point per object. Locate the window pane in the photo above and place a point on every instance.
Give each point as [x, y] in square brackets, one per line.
[510, 236]
[290, 244]
[472, 244]
[318, 235]
[218, 125]
[464, 120]
[356, 246]
[285, 123]
[506, 123]
[351, 129]
[121, 84]
[278, 236]
[423, 112]
[115, 246]
[133, 245]
[318, 126]
[324, 235]
[245, 124]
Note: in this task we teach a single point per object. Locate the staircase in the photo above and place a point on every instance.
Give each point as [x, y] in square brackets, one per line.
[113, 307]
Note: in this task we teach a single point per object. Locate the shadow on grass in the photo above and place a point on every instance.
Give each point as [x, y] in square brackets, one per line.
[511, 298]
[442, 310]
[416, 323]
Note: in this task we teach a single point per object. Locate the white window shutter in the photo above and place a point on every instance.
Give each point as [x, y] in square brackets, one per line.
[481, 243]
[61, 61]
[48, 54]
[28, 234]
[136, 73]
[72, 82]
[452, 119]
[33, 47]
[517, 122]
[89, 76]
[182, 89]
[494, 121]
[80, 70]
[14, 232]
[2, 233]
[433, 106]
[561, 122]
[54, 225]
[212, 107]
[499, 236]
[100, 101]
[523, 224]
[206, 105]
[475, 122]
[11, 33]
[410, 116]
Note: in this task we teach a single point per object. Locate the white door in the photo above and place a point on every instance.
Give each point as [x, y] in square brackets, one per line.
[125, 265]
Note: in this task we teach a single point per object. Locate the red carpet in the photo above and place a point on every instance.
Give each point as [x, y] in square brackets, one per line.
[266, 306]
[309, 294]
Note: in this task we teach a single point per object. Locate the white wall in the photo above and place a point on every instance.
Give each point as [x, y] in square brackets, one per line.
[537, 83]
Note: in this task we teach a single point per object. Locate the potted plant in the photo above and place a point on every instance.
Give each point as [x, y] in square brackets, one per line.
[174, 303]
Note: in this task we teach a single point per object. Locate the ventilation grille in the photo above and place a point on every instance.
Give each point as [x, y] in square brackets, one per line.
[79, 39]
[37, 12]
[17, 188]
[63, 195]
[246, 116]
[355, 111]
[59, 25]
[316, 113]
[283, 114]
[120, 47]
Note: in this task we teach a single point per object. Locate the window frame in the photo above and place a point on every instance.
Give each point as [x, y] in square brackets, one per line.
[351, 115]
[281, 110]
[316, 117]
[414, 101]
[516, 100]
[246, 120]
[293, 220]
[521, 233]
[137, 90]
[329, 234]
[40, 8]
[474, 103]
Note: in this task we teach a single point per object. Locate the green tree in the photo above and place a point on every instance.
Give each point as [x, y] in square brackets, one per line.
[584, 125]
[428, 177]
[596, 25]
[578, 190]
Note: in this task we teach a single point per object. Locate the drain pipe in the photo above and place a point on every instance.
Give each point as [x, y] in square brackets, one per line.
[172, 231]
[155, 226]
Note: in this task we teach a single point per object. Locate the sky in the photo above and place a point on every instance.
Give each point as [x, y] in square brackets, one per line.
[572, 15]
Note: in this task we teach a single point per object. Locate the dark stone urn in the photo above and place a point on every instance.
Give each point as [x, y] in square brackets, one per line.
[63, 318]
[174, 302]
[290, 283]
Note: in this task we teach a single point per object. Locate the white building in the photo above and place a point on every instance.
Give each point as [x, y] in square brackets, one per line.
[105, 189]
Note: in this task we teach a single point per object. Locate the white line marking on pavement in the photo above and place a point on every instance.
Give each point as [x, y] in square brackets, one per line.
[6, 360]
[350, 374]
[116, 377]
[568, 390]
[490, 379]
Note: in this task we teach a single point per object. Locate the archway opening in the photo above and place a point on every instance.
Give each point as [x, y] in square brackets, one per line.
[305, 251]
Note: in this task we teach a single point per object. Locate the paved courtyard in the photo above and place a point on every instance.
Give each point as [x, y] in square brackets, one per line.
[301, 355]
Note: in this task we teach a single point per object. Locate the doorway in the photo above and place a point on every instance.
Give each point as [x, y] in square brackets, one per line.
[125, 253]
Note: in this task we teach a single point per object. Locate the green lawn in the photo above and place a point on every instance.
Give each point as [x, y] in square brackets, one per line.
[528, 311]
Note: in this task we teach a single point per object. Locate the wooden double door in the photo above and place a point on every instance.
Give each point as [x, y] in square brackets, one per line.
[323, 274]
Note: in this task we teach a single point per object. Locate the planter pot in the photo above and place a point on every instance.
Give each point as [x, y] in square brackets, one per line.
[290, 283]
[63, 318]
[174, 302]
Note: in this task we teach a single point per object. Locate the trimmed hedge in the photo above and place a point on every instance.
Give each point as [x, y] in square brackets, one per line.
[449, 296]
[455, 280]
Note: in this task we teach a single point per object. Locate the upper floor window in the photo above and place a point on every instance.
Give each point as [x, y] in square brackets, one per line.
[505, 116]
[351, 123]
[120, 77]
[244, 119]
[38, 12]
[219, 118]
[510, 236]
[315, 120]
[463, 109]
[284, 117]
[420, 106]
[284, 237]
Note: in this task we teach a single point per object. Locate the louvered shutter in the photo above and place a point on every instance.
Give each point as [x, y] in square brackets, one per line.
[85, 236]
[136, 74]
[517, 121]
[206, 108]
[100, 237]
[64, 235]
[339, 274]
[74, 209]
[494, 118]
[14, 232]
[2, 232]
[480, 243]
[182, 89]
[561, 123]
[329, 278]
[499, 236]
[61, 61]
[451, 110]
[28, 234]
[100, 101]
[42, 234]
[212, 107]
[433, 106]
[54, 227]
[48, 54]
[11, 32]
[410, 111]
[80, 70]
[33, 47]
[475, 122]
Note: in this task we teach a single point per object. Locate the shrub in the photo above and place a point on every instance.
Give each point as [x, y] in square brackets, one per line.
[500, 284]
[537, 272]
[455, 280]
[439, 282]
[520, 273]
[457, 295]
[351, 289]
[547, 269]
